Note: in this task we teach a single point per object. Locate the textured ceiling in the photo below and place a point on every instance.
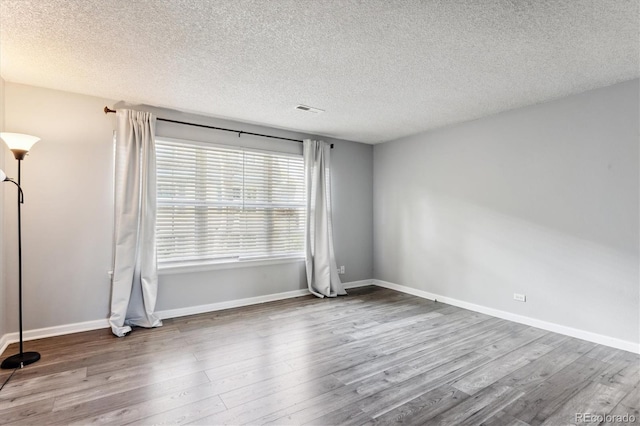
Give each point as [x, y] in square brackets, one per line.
[381, 69]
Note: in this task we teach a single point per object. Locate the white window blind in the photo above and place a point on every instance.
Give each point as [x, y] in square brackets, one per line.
[217, 203]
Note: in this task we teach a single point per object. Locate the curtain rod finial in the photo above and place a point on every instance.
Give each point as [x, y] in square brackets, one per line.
[107, 110]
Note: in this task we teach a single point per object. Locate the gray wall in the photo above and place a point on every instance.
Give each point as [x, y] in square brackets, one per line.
[68, 212]
[541, 200]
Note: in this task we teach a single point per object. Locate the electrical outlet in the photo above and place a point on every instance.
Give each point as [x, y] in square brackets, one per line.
[519, 297]
[341, 270]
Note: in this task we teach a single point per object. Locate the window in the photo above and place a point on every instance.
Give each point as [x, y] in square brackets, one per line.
[218, 203]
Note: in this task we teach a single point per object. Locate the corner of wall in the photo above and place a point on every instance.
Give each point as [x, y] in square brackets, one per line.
[3, 309]
[540, 200]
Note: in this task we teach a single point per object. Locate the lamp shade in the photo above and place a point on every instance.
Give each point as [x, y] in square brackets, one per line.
[19, 141]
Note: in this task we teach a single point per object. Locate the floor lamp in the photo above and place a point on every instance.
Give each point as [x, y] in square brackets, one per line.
[20, 145]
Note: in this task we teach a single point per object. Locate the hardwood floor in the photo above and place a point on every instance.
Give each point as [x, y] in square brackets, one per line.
[373, 357]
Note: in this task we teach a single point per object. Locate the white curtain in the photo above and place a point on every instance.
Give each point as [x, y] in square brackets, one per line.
[134, 286]
[322, 272]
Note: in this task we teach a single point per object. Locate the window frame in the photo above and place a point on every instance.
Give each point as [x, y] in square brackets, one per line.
[175, 267]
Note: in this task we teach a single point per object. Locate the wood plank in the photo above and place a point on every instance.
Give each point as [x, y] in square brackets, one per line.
[535, 406]
[27, 412]
[185, 414]
[500, 367]
[313, 408]
[157, 409]
[628, 407]
[270, 403]
[457, 343]
[502, 418]
[389, 395]
[420, 410]
[400, 323]
[345, 416]
[622, 374]
[43, 383]
[595, 398]
[97, 387]
[411, 347]
[533, 374]
[504, 346]
[115, 401]
[479, 407]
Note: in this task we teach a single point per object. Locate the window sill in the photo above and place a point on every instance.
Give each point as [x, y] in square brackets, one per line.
[181, 268]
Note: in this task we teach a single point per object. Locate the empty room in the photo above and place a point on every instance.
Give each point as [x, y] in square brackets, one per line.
[323, 212]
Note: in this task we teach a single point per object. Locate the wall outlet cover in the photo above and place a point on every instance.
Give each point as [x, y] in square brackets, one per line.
[519, 297]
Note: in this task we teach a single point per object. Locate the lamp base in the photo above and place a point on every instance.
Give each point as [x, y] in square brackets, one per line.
[20, 360]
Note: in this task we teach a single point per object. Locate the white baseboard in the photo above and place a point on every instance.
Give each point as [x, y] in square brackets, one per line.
[60, 330]
[41, 333]
[201, 309]
[356, 284]
[4, 342]
[211, 307]
[556, 328]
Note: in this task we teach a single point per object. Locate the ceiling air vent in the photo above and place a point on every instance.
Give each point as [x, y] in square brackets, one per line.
[309, 109]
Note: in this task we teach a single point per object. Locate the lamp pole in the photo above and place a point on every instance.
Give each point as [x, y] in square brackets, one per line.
[20, 201]
[19, 145]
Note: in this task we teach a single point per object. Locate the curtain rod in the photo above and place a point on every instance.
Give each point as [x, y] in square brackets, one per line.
[108, 110]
